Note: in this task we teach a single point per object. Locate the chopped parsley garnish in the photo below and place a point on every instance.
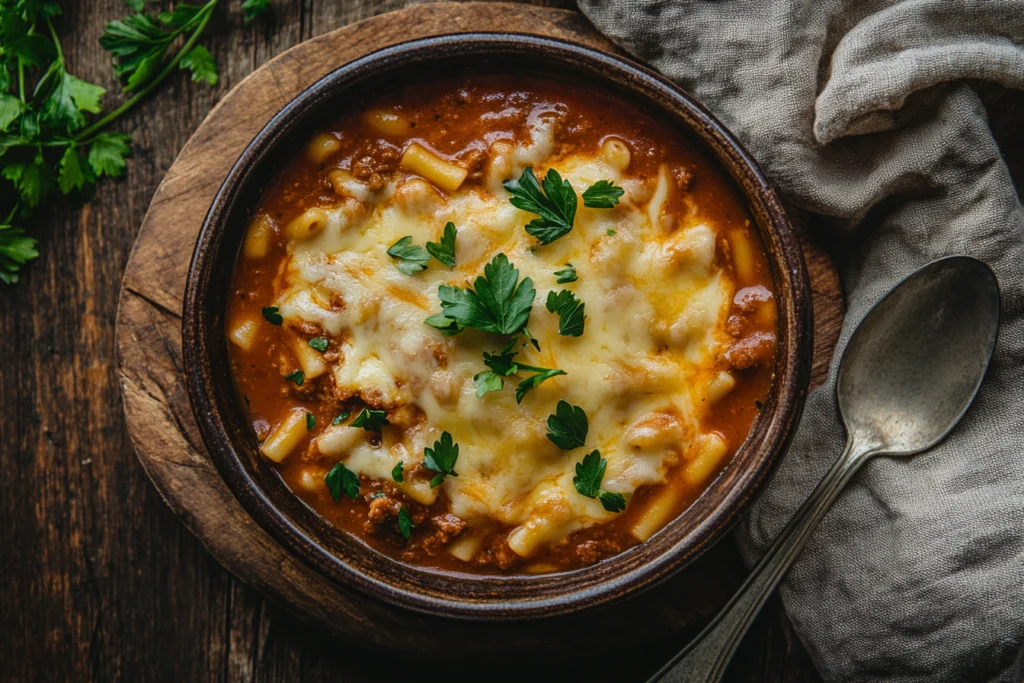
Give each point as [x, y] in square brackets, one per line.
[441, 459]
[604, 194]
[411, 257]
[405, 525]
[398, 472]
[497, 303]
[298, 377]
[610, 232]
[272, 315]
[589, 474]
[445, 250]
[319, 343]
[371, 420]
[342, 480]
[758, 405]
[567, 274]
[502, 365]
[569, 310]
[344, 416]
[310, 421]
[567, 428]
[376, 494]
[554, 204]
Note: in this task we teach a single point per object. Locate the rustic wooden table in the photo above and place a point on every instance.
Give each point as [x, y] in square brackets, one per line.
[100, 581]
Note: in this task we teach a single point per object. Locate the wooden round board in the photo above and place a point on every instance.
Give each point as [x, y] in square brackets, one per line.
[160, 419]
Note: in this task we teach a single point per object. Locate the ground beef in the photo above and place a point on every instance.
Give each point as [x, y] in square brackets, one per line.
[749, 351]
[498, 554]
[589, 552]
[374, 161]
[473, 161]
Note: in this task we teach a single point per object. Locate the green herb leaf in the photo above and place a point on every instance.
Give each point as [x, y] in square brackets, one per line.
[497, 304]
[567, 428]
[570, 312]
[448, 326]
[344, 416]
[445, 250]
[272, 315]
[567, 274]
[604, 194]
[587, 481]
[201, 63]
[610, 232]
[398, 473]
[531, 382]
[10, 109]
[405, 525]
[298, 377]
[371, 420]
[319, 343]
[15, 250]
[107, 152]
[555, 204]
[71, 175]
[487, 381]
[441, 458]
[376, 494]
[253, 8]
[137, 5]
[341, 480]
[411, 257]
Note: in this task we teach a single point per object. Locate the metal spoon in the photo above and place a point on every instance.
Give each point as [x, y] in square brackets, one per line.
[908, 375]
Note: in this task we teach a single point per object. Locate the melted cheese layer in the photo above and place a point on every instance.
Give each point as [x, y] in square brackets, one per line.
[656, 304]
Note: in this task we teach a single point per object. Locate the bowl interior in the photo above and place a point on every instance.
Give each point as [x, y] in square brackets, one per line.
[257, 485]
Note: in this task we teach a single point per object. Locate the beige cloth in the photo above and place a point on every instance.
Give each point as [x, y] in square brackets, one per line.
[861, 111]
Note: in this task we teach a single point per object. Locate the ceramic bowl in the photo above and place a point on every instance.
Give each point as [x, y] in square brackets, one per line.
[233, 446]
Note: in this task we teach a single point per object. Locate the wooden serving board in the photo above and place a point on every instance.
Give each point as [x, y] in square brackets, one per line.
[167, 440]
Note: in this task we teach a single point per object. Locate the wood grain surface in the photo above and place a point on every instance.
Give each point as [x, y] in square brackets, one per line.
[101, 581]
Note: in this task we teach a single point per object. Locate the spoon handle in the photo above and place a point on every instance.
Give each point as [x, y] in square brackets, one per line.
[704, 660]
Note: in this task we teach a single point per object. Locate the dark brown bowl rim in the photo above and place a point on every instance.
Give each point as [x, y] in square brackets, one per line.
[215, 403]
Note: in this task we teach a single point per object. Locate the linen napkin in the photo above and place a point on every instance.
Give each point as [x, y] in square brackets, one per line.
[863, 112]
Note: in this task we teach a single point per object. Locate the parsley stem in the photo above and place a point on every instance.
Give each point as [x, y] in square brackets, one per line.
[21, 79]
[140, 95]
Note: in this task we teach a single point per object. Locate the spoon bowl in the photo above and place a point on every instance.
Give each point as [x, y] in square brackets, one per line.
[914, 365]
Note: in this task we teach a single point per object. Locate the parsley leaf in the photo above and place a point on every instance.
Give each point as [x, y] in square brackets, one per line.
[610, 232]
[398, 472]
[587, 481]
[486, 382]
[441, 459]
[405, 525]
[604, 194]
[371, 420]
[344, 416]
[319, 343]
[531, 382]
[342, 480]
[567, 274]
[107, 153]
[310, 421]
[72, 174]
[253, 8]
[445, 250]
[448, 326]
[201, 63]
[272, 315]
[555, 204]
[411, 257]
[569, 310]
[497, 304]
[298, 377]
[567, 428]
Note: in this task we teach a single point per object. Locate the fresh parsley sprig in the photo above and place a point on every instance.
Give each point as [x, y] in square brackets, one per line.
[554, 202]
[604, 194]
[341, 480]
[371, 420]
[567, 428]
[587, 481]
[567, 274]
[569, 309]
[444, 251]
[405, 523]
[498, 302]
[411, 258]
[441, 459]
[502, 365]
[48, 143]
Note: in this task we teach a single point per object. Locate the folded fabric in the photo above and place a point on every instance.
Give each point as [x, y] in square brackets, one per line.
[861, 112]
